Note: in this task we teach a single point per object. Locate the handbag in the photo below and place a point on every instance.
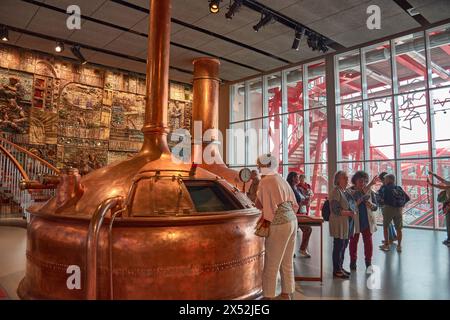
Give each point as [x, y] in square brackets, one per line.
[326, 210]
[261, 230]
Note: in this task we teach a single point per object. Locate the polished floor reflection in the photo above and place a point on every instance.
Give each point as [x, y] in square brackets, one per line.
[12, 259]
[421, 271]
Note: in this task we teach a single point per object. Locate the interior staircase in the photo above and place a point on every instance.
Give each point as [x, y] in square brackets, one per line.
[16, 165]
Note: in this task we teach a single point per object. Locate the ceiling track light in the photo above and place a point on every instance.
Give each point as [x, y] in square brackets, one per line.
[59, 47]
[322, 45]
[296, 42]
[4, 33]
[233, 8]
[316, 42]
[312, 42]
[265, 19]
[214, 6]
[76, 51]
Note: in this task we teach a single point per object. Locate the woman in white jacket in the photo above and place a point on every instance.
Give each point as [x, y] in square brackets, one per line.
[278, 204]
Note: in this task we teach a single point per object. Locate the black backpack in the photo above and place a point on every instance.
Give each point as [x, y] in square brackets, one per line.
[326, 210]
[400, 198]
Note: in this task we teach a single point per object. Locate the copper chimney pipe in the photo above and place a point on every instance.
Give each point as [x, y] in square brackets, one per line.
[206, 92]
[206, 109]
[157, 85]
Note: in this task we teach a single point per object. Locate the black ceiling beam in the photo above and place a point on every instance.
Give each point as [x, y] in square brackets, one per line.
[205, 31]
[88, 47]
[111, 25]
[289, 22]
[406, 6]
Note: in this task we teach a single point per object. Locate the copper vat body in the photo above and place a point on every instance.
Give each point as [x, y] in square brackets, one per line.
[133, 227]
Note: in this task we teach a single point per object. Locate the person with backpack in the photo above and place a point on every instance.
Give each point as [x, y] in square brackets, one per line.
[394, 199]
[444, 198]
[343, 210]
[392, 235]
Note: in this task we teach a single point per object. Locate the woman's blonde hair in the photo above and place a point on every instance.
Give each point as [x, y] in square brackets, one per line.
[337, 176]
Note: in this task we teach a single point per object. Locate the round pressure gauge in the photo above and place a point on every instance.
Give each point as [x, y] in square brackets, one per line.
[245, 175]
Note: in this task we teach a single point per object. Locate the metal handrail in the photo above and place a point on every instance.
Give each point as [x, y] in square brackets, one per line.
[12, 174]
[31, 168]
[92, 243]
[4, 141]
[15, 162]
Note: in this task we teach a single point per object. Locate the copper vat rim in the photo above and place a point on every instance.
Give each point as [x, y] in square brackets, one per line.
[172, 220]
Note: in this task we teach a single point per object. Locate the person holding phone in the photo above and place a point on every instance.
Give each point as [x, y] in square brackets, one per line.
[343, 212]
[444, 185]
[366, 223]
[306, 190]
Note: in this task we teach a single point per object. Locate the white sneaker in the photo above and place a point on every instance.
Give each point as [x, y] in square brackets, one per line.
[399, 248]
[304, 254]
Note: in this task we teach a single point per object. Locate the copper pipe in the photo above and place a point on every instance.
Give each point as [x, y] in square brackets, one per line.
[205, 105]
[157, 86]
[92, 244]
[45, 182]
[111, 270]
[32, 184]
[206, 93]
[49, 179]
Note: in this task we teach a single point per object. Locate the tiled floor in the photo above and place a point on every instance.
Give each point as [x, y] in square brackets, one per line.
[421, 271]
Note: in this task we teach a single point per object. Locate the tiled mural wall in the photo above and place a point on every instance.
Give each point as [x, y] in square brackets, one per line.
[82, 116]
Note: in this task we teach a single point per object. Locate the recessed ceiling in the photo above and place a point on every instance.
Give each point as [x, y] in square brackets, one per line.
[114, 26]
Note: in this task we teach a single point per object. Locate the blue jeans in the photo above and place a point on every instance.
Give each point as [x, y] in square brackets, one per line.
[339, 246]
